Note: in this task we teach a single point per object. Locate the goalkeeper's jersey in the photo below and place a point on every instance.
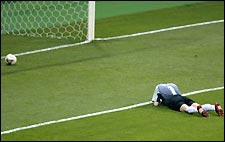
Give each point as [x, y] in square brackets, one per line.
[165, 90]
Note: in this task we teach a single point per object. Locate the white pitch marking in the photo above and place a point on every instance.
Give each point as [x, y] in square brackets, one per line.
[118, 37]
[99, 113]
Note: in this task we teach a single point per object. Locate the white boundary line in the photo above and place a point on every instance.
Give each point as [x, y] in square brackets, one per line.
[118, 37]
[48, 49]
[99, 113]
[161, 30]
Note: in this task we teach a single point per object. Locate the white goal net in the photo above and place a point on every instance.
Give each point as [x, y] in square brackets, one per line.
[50, 19]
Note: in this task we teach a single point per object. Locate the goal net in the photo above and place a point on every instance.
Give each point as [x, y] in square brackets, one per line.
[49, 19]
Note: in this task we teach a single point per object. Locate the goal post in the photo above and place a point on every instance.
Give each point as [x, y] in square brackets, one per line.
[50, 19]
[91, 20]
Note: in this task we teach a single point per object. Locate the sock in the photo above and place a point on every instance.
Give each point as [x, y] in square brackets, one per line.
[191, 109]
[207, 107]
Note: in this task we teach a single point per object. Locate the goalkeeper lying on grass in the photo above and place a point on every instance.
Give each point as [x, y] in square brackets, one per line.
[169, 95]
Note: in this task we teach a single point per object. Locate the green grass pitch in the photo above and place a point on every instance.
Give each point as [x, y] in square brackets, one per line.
[105, 75]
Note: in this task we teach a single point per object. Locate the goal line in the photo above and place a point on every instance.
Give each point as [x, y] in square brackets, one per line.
[118, 37]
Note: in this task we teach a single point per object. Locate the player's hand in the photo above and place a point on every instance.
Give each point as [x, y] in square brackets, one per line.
[156, 103]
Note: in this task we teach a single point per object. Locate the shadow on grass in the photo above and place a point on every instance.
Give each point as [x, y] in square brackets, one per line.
[73, 62]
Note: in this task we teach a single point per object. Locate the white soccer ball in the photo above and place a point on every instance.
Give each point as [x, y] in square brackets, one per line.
[10, 59]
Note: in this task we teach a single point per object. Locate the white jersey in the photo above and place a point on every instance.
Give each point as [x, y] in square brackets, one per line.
[165, 89]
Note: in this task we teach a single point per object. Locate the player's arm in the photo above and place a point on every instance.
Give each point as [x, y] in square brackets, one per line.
[157, 102]
[155, 97]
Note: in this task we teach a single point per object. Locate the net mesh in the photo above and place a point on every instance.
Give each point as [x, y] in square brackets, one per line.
[52, 19]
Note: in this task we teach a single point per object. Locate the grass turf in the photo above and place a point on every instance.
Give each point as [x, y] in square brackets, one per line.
[107, 74]
[97, 76]
[106, 9]
[142, 123]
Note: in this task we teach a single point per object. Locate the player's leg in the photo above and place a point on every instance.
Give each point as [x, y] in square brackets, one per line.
[178, 103]
[218, 109]
[200, 109]
[215, 107]
[195, 105]
[189, 109]
[194, 108]
[208, 107]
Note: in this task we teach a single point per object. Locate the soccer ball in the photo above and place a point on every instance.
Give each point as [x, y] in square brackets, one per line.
[10, 59]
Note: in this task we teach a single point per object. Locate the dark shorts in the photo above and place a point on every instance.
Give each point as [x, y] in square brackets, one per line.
[176, 101]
